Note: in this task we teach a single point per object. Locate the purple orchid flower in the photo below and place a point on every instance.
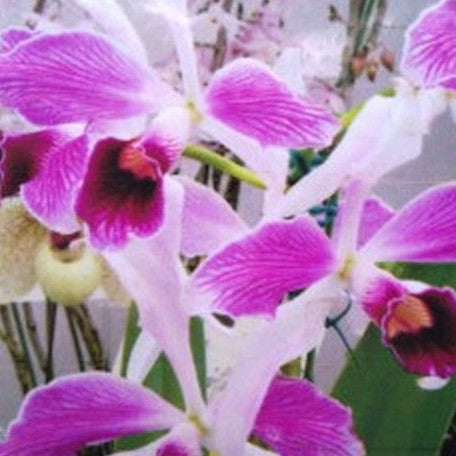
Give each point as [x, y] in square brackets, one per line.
[253, 275]
[117, 190]
[289, 415]
[245, 105]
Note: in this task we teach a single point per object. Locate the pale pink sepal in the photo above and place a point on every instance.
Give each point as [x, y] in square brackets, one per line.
[77, 77]
[208, 220]
[253, 274]
[428, 57]
[112, 19]
[377, 132]
[152, 273]
[246, 95]
[424, 230]
[51, 194]
[265, 350]
[64, 416]
[295, 417]
[143, 355]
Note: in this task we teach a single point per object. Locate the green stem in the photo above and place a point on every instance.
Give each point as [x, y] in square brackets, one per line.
[33, 336]
[23, 341]
[310, 366]
[207, 156]
[51, 318]
[75, 338]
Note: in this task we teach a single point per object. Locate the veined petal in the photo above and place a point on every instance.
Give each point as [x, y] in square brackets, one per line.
[51, 194]
[429, 56]
[22, 157]
[81, 409]
[375, 214]
[296, 417]
[208, 220]
[420, 330]
[122, 193]
[424, 230]
[112, 19]
[265, 350]
[247, 96]
[253, 274]
[20, 238]
[77, 77]
[11, 37]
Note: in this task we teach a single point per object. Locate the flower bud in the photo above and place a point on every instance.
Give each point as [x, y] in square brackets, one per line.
[387, 59]
[68, 275]
[358, 64]
[372, 69]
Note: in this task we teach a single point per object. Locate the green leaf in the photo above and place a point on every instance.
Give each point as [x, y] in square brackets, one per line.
[393, 416]
[161, 377]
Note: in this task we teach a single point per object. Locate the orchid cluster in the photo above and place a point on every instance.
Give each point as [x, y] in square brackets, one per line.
[93, 194]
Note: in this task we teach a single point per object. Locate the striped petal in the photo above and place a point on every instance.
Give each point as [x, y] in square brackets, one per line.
[252, 275]
[77, 77]
[429, 56]
[247, 96]
[295, 417]
[424, 230]
[62, 417]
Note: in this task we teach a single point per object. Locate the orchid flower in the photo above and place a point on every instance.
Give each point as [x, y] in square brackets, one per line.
[252, 275]
[245, 106]
[289, 415]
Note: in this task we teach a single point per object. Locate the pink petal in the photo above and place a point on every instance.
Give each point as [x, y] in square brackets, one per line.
[253, 274]
[428, 55]
[375, 214]
[22, 157]
[76, 77]
[420, 330]
[11, 37]
[208, 220]
[122, 193]
[424, 230]
[60, 418]
[51, 194]
[296, 418]
[248, 97]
